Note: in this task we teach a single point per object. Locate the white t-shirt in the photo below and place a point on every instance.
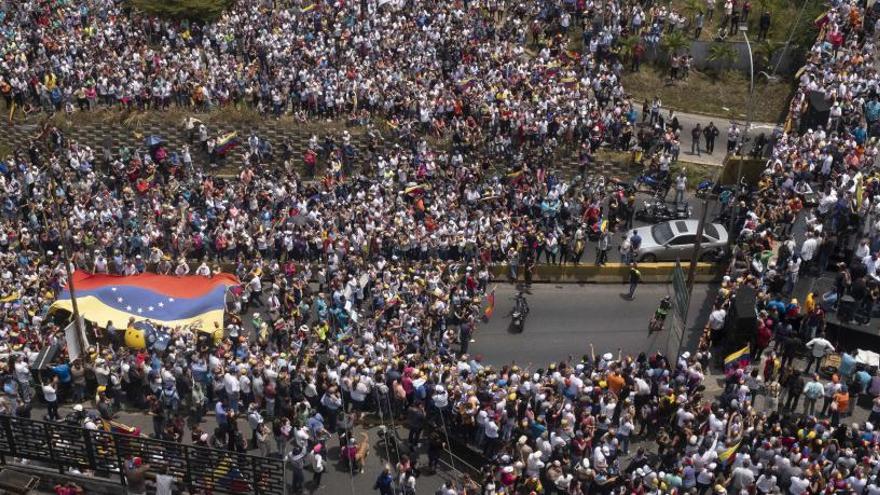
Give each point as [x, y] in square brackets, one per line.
[491, 429]
[22, 372]
[244, 383]
[49, 393]
[798, 486]
[683, 416]
[231, 384]
[164, 483]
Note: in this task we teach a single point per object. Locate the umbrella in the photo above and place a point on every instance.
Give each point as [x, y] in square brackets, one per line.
[153, 140]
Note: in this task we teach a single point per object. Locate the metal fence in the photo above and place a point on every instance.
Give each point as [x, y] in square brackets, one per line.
[200, 469]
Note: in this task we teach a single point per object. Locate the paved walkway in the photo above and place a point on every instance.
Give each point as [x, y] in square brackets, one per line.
[689, 120]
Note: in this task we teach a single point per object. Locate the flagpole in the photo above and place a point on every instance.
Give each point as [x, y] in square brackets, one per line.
[72, 289]
[62, 246]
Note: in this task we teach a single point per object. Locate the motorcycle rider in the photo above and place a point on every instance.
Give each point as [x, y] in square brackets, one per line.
[660, 315]
[520, 309]
[520, 304]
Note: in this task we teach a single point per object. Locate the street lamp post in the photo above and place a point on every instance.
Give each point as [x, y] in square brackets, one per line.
[750, 105]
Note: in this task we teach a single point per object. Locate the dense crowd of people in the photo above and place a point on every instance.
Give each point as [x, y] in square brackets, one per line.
[360, 293]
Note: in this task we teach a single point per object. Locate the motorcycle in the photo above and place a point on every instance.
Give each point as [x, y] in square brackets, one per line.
[626, 187]
[520, 311]
[656, 210]
[658, 183]
[659, 318]
[704, 188]
[759, 146]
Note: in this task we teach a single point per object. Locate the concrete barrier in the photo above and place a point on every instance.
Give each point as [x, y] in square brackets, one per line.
[611, 273]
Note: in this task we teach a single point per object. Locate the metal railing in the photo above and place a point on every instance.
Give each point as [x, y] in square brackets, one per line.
[66, 447]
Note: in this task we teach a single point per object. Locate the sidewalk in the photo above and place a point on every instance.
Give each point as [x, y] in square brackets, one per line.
[688, 121]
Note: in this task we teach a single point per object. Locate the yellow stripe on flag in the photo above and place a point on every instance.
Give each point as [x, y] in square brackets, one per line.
[92, 309]
[9, 298]
[736, 355]
[727, 454]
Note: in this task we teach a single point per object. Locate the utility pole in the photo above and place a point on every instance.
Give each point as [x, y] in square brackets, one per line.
[695, 256]
[794, 26]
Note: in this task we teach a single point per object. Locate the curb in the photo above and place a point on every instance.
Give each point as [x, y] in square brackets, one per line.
[611, 273]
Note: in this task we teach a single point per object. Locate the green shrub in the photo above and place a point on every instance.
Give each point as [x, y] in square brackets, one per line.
[196, 10]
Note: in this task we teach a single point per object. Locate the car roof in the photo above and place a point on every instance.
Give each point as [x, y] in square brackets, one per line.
[684, 226]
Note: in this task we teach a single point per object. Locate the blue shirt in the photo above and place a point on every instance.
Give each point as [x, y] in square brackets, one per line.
[636, 241]
[778, 305]
[864, 380]
[63, 372]
[860, 134]
[221, 413]
[315, 425]
[847, 365]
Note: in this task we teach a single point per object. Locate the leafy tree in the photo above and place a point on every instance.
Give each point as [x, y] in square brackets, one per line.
[723, 54]
[196, 10]
[692, 7]
[675, 42]
[764, 52]
[627, 44]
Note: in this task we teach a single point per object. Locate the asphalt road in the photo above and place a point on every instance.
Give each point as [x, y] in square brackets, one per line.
[565, 319]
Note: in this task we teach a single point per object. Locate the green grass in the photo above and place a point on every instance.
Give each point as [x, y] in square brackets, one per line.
[195, 10]
[696, 172]
[726, 96]
[782, 17]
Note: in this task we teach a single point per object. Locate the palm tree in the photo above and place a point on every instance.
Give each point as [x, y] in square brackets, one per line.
[627, 44]
[675, 42]
[723, 54]
[691, 7]
[765, 50]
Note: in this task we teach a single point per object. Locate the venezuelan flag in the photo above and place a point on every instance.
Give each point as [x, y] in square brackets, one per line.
[417, 189]
[226, 143]
[728, 455]
[570, 82]
[466, 83]
[10, 297]
[736, 360]
[165, 300]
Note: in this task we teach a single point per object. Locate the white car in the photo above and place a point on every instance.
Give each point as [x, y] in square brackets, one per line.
[674, 240]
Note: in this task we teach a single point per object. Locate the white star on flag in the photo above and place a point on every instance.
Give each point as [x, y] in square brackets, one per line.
[128, 308]
[161, 305]
[150, 308]
[118, 299]
[113, 289]
[170, 299]
[140, 310]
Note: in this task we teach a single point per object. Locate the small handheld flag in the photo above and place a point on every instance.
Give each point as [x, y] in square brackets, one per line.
[736, 360]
